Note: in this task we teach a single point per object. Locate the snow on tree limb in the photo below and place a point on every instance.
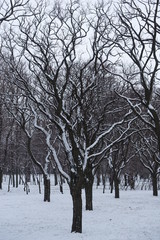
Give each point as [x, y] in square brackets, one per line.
[48, 138]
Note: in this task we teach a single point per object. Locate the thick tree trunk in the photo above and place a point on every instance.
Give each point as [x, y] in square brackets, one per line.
[77, 180]
[46, 189]
[89, 192]
[77, 210]
[88, 185]
[154, 183]
[89, 195]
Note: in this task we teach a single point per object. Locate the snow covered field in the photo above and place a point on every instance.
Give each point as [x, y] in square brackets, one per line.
[135, 216]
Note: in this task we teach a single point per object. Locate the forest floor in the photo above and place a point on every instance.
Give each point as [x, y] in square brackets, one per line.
[135, 216]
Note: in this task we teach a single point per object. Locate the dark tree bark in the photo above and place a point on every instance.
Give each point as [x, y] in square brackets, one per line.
[1, 178]
[116, 184]
[76, 193]
[61, 184]
[13, 179]
[98, 177]
[104, 182]
[46, 189]
[77, 210]
[17, 177]
[154, 183]
[55, 178]
[88, 184]
[111, 183]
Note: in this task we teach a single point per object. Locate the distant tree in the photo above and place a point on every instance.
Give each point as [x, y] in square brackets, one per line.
[120, 155]
[137, 32]
[148, 157]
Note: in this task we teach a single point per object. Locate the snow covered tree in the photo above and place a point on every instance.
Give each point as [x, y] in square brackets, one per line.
[147, 152]
[56, 58]
[137, 31]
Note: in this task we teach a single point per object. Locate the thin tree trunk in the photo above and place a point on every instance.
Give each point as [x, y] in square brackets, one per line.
[16, 178]
[111, 184]
[13, 178]
[9, 182]
[116, 183]
[154, 183]
[61, 184]
[55, 178]
[1, 178]
[104, 182]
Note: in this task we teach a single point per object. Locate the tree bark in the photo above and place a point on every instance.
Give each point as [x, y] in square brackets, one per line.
[111, 183]
[1, 178]
[154, 183]
[89, 190]
[116, 183]
[77, 210]
[46, 189]
[16, 178]
[76, 193]
[55, 178]
[104, 182]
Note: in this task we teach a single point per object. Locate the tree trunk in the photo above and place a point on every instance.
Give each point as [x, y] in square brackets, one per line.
[16, 178]
[9, 182]
[116, 183]
[77, 210]
[104, 182]
[89, 191]
[111, 183]
[77, 180]
[13, 177]
[46, 189]
[154, 183]
[1, 178]
[98, 177]
[61, 184]
[55, 178]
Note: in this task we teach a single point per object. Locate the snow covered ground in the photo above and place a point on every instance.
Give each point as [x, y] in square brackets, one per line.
[135, 216]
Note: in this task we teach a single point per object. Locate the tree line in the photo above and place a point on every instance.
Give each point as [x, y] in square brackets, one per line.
[80, 90]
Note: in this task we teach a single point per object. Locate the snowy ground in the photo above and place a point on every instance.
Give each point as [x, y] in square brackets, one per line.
[135, 216]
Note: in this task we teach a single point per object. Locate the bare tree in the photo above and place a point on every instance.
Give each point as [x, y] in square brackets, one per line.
[148, 157]
[11, 9]
[119, 157]
[57, 82]
[137, 32]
